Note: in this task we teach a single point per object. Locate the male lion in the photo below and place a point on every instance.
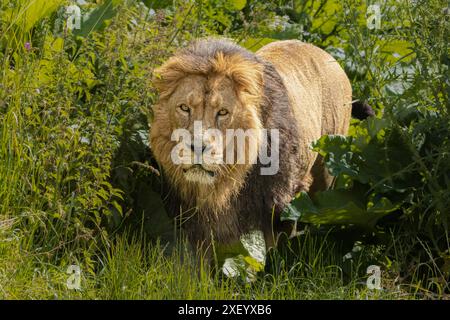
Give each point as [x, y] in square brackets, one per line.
[291, 86]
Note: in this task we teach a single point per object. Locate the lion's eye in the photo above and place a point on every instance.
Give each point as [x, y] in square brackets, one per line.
[222, 112]
[184, 108]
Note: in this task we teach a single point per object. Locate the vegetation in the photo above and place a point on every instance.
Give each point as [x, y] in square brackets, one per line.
[78, 185]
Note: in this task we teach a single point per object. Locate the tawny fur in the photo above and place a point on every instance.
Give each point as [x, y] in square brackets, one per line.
[320, 95]
[287, 85]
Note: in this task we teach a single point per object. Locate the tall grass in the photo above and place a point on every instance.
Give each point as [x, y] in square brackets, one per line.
[130, 269]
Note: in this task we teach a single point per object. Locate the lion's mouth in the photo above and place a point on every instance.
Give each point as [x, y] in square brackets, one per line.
[200, 169]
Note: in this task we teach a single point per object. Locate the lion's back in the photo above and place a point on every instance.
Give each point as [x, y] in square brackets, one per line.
[318, 89]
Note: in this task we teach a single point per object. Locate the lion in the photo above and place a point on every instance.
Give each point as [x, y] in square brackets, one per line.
[293, 87]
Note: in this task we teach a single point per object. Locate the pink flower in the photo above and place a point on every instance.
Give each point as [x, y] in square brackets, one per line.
[27, 46]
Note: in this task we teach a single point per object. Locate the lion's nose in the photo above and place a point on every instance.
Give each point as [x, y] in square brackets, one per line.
[193, 148]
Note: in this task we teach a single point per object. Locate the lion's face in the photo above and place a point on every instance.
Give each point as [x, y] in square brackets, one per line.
[209, 105]
[208, 109]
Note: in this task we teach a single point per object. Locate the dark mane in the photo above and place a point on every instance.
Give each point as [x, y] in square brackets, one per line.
[207, 49]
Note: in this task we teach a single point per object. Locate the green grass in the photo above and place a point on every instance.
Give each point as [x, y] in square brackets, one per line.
[129, 269]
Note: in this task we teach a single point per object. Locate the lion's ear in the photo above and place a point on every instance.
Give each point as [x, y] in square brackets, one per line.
[166, 76]
[246, 75]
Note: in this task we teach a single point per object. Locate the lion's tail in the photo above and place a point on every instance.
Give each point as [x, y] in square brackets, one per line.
[361, 110]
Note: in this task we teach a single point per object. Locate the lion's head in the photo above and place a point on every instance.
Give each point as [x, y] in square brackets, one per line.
[211, 85]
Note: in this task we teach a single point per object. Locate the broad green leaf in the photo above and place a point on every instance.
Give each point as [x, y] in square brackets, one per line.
[397, 49]
[230, 250]
[238, 4]
[336, 150]
[96, 19]
[254, 44]
[253, 263]
[340, 207]
[300, 206]
[31, 12]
